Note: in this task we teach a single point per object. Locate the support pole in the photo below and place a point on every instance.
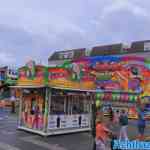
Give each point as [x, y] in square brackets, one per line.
[13, 107]
[20, 107]
[93, 120]
[46, 111]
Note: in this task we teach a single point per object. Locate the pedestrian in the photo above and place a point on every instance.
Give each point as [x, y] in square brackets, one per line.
[111, 114]
[102, 134]
[2, 110]
[141, 123]
[116, 117]
[36, 117]
[124, 124]
[13, 107]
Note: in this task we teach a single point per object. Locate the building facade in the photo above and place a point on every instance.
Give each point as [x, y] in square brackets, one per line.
[141, 48]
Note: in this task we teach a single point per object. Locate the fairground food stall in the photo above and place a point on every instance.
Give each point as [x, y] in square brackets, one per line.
[57, 100]
[48, 110]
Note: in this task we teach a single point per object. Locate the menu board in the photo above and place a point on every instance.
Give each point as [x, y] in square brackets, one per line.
[85, 120]
[52, 122]
[68, 121]
[75, 121]
[64, 121]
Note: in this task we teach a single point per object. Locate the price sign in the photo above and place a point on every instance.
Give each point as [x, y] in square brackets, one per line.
[85, 120]
[75, 121]
[63, 121]
[52, 122]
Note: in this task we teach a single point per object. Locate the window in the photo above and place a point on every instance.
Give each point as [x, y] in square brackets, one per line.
[79, 104]
[57, 105]
[69, 103]
[66, 55]
[147, 46]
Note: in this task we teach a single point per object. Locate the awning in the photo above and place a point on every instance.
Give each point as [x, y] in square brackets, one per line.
[73, 89]
[82, 90]
[97, 90]
[27, 86]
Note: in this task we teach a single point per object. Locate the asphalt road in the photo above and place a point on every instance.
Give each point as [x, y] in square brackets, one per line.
[13, 139]
[133, 130]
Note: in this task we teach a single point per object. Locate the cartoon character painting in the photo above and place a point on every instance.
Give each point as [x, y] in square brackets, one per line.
[30, 72]
[32, 112]
[76, 68]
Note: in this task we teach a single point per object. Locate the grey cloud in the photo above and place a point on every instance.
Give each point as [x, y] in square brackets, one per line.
[34, 28]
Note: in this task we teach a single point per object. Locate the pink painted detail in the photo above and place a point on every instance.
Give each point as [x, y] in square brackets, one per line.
[109, 85]
[88, 78]
[132, 58]
[57, 76]
[122, 97]
[112, 86]
[134, 84]
[126, 97]
[22, 74]
[40, 75]
[108, 67]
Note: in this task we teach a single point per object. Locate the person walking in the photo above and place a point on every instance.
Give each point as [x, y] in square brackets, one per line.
[102, 134]
[111, 114]
[124, 124]
[116, 117]
[2, 110]
[141, 123]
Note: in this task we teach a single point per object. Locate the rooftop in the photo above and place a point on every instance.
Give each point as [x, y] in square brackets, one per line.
[67, 54]
[111, 49]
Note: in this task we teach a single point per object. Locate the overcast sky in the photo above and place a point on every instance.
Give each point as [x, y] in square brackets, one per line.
[36, 28]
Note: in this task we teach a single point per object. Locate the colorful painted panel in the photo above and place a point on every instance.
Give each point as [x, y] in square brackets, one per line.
[32, 75]
[33, 107]
[129, 74]
[106, 73]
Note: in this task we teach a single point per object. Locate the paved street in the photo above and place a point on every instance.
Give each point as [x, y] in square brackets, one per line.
[12, 139]
[132, 130]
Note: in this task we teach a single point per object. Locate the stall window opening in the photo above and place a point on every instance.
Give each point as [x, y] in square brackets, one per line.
[80, 104]
[57, 105]
[70, 103]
